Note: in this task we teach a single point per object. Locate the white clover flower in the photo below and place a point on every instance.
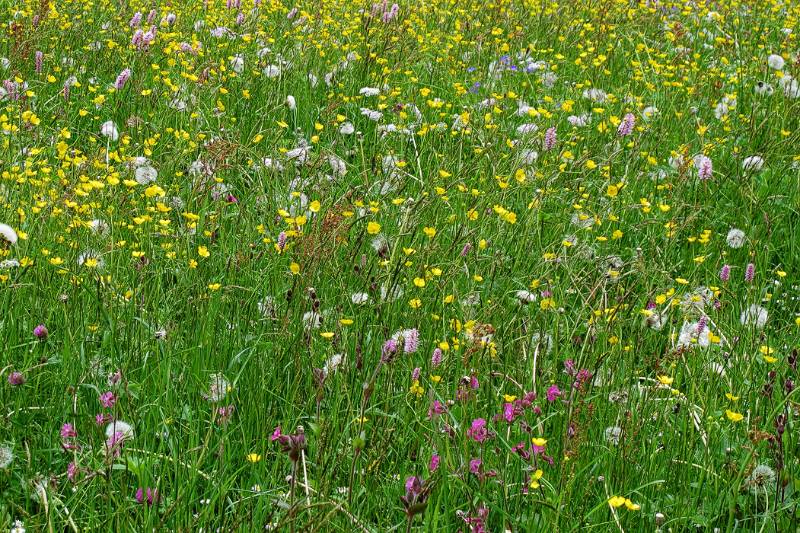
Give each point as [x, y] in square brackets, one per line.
[291, 103]
[312, 320]
[525, 297]
[527, 129]
[272, 71]
[346, 128]
[613, 435]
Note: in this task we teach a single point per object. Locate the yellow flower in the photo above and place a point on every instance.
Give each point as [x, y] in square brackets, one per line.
[632, 506]
[294, 268]
[666, 380]
[202, 251]
[214, 286]
[373, 228]
[616, 501]
[253, 457]
[535, 479]
[734, 416]
[538, 441]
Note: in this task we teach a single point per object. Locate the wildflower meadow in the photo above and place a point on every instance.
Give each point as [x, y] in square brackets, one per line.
[359, 266]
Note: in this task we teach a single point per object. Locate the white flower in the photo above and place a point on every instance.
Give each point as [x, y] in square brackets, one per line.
[218, 388]
[527, 129]
[267, 306]
[6, 457]
[145, 175]
[761, 480]
[369, 91]
[775, 62]
[735, 238]
[649, 112]
[790, 87]
[754, 315]
[613, 435]
[99, 227]
[272, 71]
[109, 129]
[579, 121]
[8, 264]
[7, 233]
[332, 364]
[312, 320]
[346, 128]
[688, 336]
[595, 95]
[525, 297]
[91, 254]
[753, 163]
[764, 88]
[237, 64]
[338, 165]
[374, 116]
[19, 527]
[118, 426]
[291, 103]
[359, 298]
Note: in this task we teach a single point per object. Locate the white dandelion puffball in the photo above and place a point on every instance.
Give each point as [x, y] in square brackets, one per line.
[118, 426]
[775, 62]
[8, 234]
[735, 238]
[109, 129]
[753, 163]
[755, 315]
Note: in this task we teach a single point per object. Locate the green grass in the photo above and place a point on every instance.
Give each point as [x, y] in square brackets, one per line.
[538, 279]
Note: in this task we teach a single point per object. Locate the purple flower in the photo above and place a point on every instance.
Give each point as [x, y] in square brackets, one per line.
[39, 60]
[465, 250]
[750, 273]
[136, 19]
[411, 341]
[146, 495]
[552, 393]
[478, 431]
[72, 471]
[436, 357]
[276, 434]
[475, 466]
[627, 125]
[16, 379]
[282, 241]
[705, 167]
[389, 350]
[725, 273]
[415, 374]
[550, 139]
[40, 332]
[107, 399]
[68, 431]
[508, 412]
[122, 79]
[434, 464]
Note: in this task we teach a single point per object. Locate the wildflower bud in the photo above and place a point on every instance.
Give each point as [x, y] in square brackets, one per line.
[660, 519]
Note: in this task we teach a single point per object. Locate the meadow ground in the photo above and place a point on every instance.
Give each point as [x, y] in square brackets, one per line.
[474, 265]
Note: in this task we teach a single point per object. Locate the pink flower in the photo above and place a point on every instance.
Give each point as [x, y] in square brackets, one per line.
[477, 430]
[627, 125]
[475, 466]
[16, 379]
[107, 399]
[436, 357]
[72, 472]
[553, 392]
[68, 431]
[550, 139]
[276, 434]
[40, 332]
[434, 464]
[411, 341]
